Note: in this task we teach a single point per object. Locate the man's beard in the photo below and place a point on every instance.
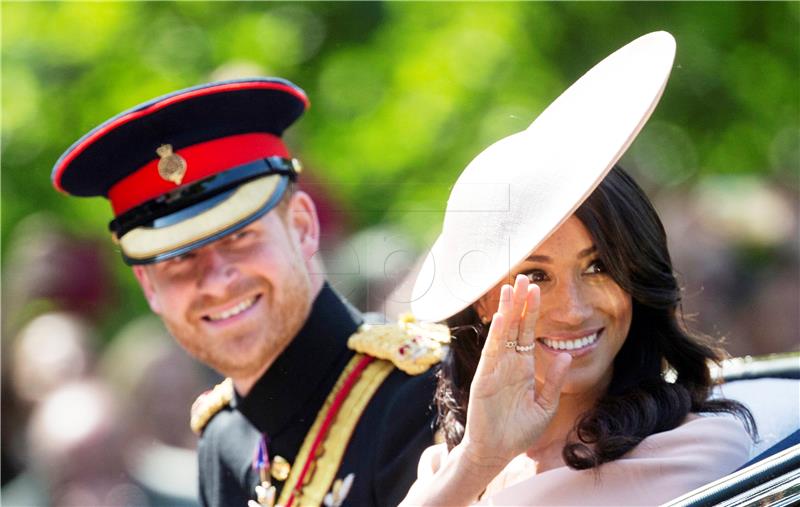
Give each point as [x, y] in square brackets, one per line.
[283, 315]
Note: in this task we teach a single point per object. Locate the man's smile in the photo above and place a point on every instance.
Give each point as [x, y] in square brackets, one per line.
[233, 310]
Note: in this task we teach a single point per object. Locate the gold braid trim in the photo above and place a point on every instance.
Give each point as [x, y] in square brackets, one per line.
[329, 455]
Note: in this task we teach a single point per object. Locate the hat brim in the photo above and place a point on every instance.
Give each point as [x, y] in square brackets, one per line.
[203, 223]
[518, 191]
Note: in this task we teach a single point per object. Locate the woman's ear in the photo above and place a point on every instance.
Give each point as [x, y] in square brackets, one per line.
[140, 272]
[304, 223]
[486, 306]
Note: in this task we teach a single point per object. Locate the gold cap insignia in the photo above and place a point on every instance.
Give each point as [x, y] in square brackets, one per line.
[411, 345]
[171, 167]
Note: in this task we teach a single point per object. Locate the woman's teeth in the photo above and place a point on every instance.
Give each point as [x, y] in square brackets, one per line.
[236, 310]
[570, 344]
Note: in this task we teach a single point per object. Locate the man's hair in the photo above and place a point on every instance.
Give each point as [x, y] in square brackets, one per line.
[283, 206]
[641, 399]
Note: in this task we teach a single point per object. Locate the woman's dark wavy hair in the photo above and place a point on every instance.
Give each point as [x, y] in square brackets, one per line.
[640, 400]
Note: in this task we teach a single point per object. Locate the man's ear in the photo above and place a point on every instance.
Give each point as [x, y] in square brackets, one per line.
[304, 223]
[140, 272]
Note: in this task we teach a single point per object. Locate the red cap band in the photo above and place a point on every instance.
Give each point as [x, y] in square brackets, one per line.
[202, 160]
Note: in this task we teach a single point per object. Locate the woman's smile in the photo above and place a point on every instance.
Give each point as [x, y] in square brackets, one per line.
[578, 346]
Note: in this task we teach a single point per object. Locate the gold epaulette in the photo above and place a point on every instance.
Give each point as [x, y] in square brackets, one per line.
[209, 403]
[410, 345]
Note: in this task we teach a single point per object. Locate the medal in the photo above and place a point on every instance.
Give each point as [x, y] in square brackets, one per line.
[265, 491]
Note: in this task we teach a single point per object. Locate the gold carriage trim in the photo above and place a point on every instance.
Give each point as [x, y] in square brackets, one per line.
[311, 488]
[209, 403]
[410, 345]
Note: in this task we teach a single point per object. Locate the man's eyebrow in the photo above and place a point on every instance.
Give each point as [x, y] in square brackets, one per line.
[543, 258]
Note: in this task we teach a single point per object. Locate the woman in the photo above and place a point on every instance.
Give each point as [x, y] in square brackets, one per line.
[579, 385]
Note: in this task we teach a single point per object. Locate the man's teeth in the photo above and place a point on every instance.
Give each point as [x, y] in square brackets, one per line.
[236, 310]
[570, 344]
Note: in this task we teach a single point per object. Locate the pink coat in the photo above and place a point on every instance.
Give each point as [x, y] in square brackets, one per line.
[662, 467]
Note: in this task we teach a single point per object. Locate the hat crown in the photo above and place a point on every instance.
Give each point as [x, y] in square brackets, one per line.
[187, 168]
[123, 144]
[519, 190]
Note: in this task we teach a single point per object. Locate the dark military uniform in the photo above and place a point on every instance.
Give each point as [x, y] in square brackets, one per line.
[395, 428]
[186, 169]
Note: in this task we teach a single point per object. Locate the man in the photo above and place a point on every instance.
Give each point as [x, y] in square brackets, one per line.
[224, 247]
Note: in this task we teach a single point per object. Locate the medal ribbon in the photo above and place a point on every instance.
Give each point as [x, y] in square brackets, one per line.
[261, 458]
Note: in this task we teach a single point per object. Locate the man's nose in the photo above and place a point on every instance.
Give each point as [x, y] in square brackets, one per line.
[568, 303]
[216, 273]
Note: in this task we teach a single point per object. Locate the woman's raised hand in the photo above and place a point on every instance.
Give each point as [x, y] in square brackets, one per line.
[506, 414]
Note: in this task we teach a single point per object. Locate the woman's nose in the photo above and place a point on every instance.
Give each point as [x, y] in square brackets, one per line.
[567, 303]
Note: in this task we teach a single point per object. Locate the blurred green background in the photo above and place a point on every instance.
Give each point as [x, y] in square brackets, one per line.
[404, 95]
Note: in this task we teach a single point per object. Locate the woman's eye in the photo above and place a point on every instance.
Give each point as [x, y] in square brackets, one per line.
[596, 267]
[537, 275]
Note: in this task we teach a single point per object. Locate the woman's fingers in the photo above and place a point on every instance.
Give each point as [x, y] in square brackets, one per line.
[505, 299]
[547, 397]
[515, 307]
[518, 305]
[527, 334]
[493, 350]
[512, 306]
[505, 308]
[496, 337]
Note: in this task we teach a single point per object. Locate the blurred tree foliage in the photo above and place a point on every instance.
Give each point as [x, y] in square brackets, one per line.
[403, 94]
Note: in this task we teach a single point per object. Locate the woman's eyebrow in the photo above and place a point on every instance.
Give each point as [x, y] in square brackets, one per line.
[587, 251]
[543, 258]
[539, 258]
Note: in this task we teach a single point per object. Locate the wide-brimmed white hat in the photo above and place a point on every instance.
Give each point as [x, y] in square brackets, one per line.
[519, 190]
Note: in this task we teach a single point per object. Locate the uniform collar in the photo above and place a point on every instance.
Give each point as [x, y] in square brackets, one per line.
[303, 370]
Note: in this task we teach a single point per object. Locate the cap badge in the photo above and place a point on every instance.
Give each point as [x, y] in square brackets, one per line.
[171, 167]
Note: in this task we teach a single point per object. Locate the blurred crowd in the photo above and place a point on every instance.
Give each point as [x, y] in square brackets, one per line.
[103, 420]
[88, 421]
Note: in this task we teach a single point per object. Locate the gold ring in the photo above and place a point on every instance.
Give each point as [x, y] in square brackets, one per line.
[511, 344]
[523, 348]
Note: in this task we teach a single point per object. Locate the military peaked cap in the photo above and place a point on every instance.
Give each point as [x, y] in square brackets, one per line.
[187, 168]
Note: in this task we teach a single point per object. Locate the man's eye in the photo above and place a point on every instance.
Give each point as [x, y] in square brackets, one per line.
[596, 267]
[240, 235]
[536, 275]
[183, 258]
